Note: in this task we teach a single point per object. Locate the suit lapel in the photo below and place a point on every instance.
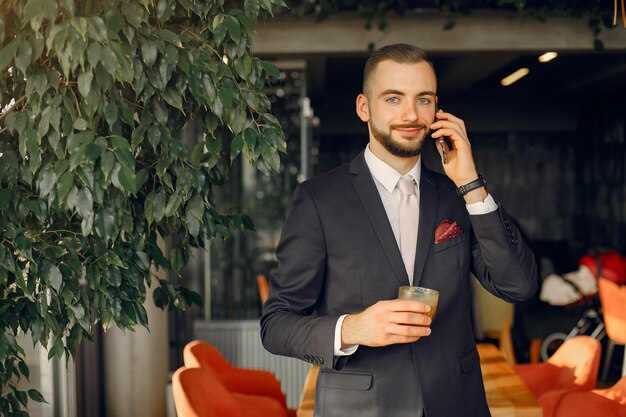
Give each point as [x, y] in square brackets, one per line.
[429, 199]
[370, 198]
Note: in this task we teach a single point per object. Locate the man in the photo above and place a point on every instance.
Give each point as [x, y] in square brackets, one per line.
[343, 254]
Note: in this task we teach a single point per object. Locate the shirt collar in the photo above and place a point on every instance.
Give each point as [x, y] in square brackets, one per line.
[385, 174]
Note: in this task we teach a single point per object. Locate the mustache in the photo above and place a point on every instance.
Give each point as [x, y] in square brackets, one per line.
[410, 126]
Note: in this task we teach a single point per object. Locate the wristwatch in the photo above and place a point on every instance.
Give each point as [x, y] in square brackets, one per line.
[477, 183]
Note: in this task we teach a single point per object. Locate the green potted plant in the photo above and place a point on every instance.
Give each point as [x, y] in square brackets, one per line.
[92, 95]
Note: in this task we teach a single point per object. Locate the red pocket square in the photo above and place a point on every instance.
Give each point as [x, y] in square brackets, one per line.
[447, 230]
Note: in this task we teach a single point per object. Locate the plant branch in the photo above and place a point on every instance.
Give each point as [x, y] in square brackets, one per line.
[10, 109]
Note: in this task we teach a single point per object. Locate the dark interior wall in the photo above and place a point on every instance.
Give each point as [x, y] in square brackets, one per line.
[600, 214]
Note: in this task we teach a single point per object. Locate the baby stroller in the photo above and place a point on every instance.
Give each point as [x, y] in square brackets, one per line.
[578, 290]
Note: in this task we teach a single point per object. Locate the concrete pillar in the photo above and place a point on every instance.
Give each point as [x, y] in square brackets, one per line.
[136, 366]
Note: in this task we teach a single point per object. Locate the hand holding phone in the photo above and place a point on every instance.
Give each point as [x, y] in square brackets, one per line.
[442, 141]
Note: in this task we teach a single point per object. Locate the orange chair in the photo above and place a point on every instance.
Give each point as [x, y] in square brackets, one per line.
[198, 354]
[198, 393]
[613, 302]
[609, 402]
[573, 367]
[264, 287]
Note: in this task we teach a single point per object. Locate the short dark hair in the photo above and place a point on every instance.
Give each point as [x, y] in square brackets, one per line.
[401, 53]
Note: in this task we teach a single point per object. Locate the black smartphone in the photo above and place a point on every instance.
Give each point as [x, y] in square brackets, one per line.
[442, 141]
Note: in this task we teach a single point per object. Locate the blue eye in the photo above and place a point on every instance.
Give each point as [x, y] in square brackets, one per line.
[393, 100]
[423, 100]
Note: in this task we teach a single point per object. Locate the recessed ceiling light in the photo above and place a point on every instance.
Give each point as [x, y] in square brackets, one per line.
[510, 79]
[548, 56]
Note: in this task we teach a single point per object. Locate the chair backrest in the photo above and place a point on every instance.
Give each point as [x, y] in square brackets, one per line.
[597, 403]
[264, 287]
[613, 301]
[581, 355]
[197, 393]
[202, 354]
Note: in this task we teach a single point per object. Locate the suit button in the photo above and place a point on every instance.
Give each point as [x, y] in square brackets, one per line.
[307, 358]
[514, 241]
[321, 361]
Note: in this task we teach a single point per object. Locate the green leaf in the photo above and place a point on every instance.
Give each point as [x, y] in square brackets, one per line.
[104, 224]
[67, 6]
[170, 37]
[234, 28]
[106, 164]
[126, 158]
[173, 204]
[173, 98]
[47, 183]
[114, 259]
[32, 9]
[5, 200]
[249, 137]
[97, 29]
[226, 94]
[84, 83]
[133, 13]
[148, 52]
[114, 276]
[127, 179]
[4, 350]
[94, 53]
[193, 224]
[120, 142]
[80, 124]
[251, 8]
[24, 369]
[159, 206]
[235, 147]
[55, 277]
[23, 246]
[7, 53]
[24, 55]
[154, 136]
[64, 186]
[110, 113]
[270, 69]
[109, 61]
[36, 396]
[84, 203]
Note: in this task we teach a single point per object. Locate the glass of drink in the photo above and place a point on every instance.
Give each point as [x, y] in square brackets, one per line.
[424, 295]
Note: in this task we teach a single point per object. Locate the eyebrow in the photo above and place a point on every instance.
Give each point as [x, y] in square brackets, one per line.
[400, 93]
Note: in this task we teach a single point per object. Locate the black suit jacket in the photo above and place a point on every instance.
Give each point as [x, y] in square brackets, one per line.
[338, 255]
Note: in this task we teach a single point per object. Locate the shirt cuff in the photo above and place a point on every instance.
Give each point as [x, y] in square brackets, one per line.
[338, 351]
[482, 207]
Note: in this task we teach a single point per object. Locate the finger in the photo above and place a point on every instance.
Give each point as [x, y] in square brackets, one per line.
[410, 306]
[454, 135]
[442, 115]
[444, 124]
[410, 318]
[406, 331]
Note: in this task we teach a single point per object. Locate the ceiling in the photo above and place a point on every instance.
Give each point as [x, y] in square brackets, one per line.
[569, 76]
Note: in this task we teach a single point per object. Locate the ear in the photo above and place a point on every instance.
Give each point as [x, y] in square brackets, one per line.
[362, 108]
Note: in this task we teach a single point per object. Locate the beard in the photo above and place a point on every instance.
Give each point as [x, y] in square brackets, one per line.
[397, 148]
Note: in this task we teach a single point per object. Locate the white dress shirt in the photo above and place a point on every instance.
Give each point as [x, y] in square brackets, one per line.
[386, 178]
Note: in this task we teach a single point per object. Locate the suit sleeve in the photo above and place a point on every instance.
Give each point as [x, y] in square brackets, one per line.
[289, 324]
[501, 260]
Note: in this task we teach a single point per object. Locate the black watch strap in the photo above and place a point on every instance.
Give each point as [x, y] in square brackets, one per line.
[477, 183]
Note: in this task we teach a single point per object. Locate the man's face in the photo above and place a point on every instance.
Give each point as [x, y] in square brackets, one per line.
[400, 106]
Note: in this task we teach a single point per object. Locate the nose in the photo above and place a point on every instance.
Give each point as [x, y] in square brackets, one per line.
[410, 112]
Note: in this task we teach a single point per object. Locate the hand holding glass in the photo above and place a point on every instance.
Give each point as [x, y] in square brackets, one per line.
[424, 295]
